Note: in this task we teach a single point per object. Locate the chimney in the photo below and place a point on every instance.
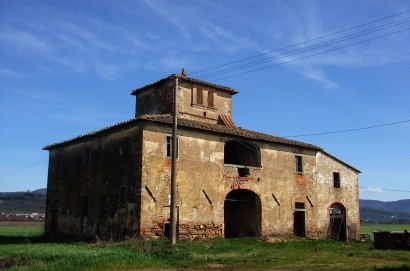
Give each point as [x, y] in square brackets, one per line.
[183, 73]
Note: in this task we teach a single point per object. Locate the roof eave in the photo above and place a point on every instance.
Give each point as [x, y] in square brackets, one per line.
[340, 161]
[90, 134]
[189, 79]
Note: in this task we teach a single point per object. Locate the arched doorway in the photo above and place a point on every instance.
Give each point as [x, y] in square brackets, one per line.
[242, 214]
[337, 222]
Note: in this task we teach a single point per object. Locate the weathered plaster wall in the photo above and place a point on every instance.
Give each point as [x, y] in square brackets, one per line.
[203, 182]
[347, 194]
[198, 170]
[158, 99]
[188, 107]
[114, 162]
[281, 182]
[135, 158]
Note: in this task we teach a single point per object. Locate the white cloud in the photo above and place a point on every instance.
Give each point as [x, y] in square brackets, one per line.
[319, 76]
[372, 190]
[15, 39]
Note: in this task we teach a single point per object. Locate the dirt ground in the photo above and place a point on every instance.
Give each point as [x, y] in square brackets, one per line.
[21, 223]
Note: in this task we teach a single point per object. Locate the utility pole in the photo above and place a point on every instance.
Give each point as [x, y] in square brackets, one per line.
[174, 147]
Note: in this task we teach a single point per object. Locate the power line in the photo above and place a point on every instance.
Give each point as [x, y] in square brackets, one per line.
[300, 43]
[306, 49]
[29, 165]
[389, 190]
[353, 130]
[320, 53]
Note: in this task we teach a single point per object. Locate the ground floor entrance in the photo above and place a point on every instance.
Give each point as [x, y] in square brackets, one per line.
[337, 222]
[242, 214]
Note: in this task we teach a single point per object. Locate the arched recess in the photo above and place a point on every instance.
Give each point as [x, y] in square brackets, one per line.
[337, 222]
[241, 153]
[242, 214]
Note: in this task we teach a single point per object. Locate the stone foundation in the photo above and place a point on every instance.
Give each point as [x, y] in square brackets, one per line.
[185, 231]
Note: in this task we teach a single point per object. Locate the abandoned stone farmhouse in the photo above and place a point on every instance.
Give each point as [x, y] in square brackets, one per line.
[230, 182]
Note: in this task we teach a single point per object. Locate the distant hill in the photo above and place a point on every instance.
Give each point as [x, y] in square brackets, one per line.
[23, 202]
[374, 211]
[371, 211]
[41, 191]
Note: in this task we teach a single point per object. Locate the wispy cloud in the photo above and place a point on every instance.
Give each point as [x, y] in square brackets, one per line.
[7, 73]
[311, 23]
[372, 190]
[319, 76]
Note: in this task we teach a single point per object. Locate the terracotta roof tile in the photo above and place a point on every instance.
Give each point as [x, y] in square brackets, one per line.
[228, 130]
[186, 123]
[120, 124]
[227, 120]
[188, 79]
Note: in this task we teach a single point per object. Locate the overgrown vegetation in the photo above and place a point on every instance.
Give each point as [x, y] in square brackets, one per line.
[283, 253]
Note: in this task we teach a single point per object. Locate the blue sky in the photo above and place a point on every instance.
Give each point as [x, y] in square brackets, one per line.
[68, 67]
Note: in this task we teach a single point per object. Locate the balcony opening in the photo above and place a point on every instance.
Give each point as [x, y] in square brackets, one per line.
[242, 154]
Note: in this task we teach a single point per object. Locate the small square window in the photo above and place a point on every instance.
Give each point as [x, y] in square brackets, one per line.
[169, 147]
[336, 179]
[299, 205]
[299, 163]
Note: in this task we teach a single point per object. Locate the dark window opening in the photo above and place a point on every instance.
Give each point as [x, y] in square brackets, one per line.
[210, 99]
[299, 163]
[122, 195]
[169, 147]
[87, 155]
[204, 114]
[336, 179]
[300, 205]
[84, 205]
[241, 153]
[199, 96]
[243, 172]
[104, 205]
[58, 163]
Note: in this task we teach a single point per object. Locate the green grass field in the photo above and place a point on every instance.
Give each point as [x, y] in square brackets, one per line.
[22, 229]
[23, 253]
[370, 228]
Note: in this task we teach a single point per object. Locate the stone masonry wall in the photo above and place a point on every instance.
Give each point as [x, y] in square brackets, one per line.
[203, 182]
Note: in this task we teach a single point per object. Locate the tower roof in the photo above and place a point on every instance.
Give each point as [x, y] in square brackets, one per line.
[186, 79]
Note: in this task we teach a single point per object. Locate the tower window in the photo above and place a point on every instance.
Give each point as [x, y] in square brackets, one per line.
[199, 96]
[210, 99]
